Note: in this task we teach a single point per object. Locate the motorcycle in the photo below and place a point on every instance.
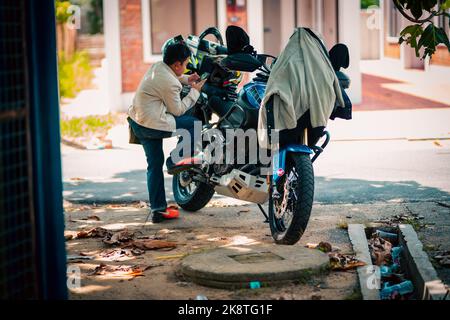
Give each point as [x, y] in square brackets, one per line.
[286, 183]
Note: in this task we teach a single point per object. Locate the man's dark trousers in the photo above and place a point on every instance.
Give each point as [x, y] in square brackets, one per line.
[152, 142]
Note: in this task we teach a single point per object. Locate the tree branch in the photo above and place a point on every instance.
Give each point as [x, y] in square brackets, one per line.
[402, 11]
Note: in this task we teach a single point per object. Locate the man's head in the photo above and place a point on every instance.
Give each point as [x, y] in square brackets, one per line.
[176, 56]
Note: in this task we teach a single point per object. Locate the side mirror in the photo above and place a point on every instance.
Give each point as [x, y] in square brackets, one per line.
[340, 57]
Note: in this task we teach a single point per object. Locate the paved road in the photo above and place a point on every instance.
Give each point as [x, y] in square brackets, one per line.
[348, 172]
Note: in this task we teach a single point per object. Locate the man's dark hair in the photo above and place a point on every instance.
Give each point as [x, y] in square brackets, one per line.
[176, 52]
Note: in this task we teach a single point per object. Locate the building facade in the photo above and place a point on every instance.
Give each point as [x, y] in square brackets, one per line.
[392, 23]
[136, 29]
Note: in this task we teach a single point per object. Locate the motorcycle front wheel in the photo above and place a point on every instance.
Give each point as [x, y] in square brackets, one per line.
[189, 194]
[291, 200]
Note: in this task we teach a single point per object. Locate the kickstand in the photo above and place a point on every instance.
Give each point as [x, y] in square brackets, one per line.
[264, 213]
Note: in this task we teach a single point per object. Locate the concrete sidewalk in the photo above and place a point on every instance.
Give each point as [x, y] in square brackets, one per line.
[393, 124]
[401, 82]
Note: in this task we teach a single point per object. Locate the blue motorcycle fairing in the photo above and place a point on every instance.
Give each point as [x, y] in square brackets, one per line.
[279, 158]
[255, 92]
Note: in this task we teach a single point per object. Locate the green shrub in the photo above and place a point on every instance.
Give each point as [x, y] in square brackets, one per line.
[367, 3]
[61, 11]
[86, 126]
[75, 74]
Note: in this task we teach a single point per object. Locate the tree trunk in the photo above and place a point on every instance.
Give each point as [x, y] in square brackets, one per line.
[70, 35]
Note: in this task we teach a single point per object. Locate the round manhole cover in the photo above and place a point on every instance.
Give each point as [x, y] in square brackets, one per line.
[238, 266]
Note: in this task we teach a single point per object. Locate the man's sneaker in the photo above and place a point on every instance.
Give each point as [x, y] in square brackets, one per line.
[183, 165]
[169, 164]
[157, 217]
[170, 213]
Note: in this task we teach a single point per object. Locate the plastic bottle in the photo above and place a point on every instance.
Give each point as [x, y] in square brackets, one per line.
[255, 285]
[395, 253]
[387, 271]
[402, 288]
[386, 235]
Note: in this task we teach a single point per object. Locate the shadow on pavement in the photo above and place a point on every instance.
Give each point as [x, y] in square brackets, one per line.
[131, 186]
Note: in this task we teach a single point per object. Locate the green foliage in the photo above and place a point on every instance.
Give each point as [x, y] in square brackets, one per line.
[75, 74]
[423, 33]
[367, 3]
[95, 17]
[85, 126]
[61, 11]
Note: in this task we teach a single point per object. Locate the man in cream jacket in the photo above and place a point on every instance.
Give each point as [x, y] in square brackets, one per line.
[157, 111]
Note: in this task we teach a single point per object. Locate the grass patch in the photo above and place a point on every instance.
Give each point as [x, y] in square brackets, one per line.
[417, 226]
[86, 126]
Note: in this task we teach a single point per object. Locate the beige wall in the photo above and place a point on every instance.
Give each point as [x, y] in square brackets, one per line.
[205, 20]
[305, 13]
[329, 29]
[370, 38]
[272, 26]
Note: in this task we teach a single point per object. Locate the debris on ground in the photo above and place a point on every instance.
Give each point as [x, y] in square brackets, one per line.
[118, 238]
[397, 219]
[322, 246]
[338, 261]
[201, 297]
[386, 253]
[396, 291]
[151, 244]
[97, 232]
[380, 250]
[94, 218]
[73, 258]
[119, 271]
[443, 258]
[116, 254]
[344, 262]
[142, 204]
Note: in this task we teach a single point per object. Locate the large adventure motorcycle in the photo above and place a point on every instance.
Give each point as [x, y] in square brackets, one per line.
[288, 183]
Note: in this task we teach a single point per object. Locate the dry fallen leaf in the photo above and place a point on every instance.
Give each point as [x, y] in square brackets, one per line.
[324, 247]
[94, 233]
[119, 237]
[344, 262]
[380, 250]
[95, 218]
[151, 244]
[118, 271]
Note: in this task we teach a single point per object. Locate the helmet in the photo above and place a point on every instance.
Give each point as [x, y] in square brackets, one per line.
[179, 39]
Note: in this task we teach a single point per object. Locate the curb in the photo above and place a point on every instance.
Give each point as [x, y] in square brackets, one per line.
[366, 273]
[427, 285]
[422, 272]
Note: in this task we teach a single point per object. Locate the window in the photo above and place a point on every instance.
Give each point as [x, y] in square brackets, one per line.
[164, 19]
[394, 22]
[443, 23]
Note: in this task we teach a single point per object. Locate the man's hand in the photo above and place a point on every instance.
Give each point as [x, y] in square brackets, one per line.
[198, 85]
[193, 78]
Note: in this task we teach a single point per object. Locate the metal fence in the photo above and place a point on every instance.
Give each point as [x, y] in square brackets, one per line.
[18, 270]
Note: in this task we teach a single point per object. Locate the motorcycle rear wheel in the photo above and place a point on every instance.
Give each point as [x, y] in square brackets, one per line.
[193, 196]
[294, 196]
